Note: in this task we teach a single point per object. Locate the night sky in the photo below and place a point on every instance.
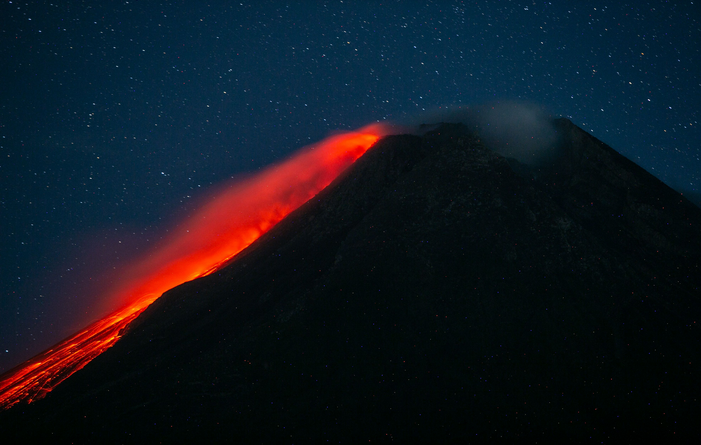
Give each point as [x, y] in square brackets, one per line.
[116, 117]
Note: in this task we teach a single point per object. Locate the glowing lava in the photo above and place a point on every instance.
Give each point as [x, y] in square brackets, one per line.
[219, 230]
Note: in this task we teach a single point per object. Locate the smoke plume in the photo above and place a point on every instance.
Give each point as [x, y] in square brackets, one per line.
[518, 130]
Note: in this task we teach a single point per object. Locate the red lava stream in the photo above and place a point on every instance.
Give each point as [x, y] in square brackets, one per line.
[230, 222]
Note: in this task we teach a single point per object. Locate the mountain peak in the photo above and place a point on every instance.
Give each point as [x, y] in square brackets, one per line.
[435, 291]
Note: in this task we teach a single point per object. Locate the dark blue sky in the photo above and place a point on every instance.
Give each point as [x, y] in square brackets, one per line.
[116, 117]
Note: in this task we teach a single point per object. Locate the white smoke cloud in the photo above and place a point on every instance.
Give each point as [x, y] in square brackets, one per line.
[519, 130]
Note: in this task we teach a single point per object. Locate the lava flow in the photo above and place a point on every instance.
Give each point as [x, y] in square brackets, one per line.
[214, 234]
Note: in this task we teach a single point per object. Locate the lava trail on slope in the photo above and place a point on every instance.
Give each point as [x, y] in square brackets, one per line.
[230, 222]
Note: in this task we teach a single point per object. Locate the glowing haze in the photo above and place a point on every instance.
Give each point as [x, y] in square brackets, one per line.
[228, 223]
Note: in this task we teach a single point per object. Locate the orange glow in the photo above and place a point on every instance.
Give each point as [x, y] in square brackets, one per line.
[230, 222]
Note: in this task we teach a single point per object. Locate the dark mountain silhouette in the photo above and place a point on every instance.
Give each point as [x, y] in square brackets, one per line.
[435, 292]
[693, 196]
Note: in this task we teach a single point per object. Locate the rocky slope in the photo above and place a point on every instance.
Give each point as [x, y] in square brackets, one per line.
[435, 292]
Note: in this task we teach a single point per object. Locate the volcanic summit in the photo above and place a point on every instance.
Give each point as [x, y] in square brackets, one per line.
[436, 291]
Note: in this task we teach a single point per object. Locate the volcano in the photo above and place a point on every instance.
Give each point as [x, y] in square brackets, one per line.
[436, 291]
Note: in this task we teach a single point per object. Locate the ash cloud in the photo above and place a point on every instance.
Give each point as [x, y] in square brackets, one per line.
[518, 130]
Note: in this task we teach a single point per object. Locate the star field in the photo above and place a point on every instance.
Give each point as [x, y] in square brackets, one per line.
[116, 118]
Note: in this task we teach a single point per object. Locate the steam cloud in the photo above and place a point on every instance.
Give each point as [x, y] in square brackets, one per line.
[518, 130]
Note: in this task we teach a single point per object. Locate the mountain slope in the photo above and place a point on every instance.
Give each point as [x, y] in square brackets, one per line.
[436, 291]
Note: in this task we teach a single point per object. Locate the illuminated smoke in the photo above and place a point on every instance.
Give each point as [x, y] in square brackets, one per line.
[228, 223]
[242, 212]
